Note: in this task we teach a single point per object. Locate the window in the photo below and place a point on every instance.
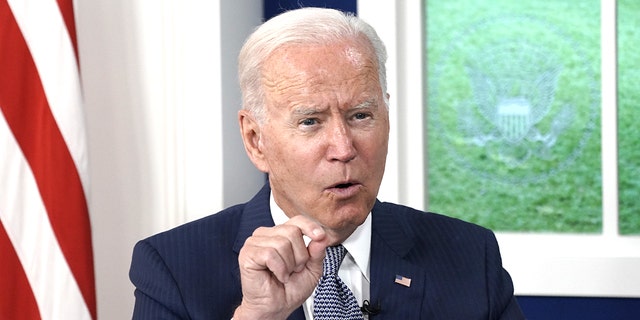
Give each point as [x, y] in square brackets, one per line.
[629, 115]
[513, 113]
[595, 253]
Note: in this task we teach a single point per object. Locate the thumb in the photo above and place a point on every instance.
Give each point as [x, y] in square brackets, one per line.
[316, 256]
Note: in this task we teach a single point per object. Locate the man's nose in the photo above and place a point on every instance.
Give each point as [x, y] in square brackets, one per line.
[340, 144]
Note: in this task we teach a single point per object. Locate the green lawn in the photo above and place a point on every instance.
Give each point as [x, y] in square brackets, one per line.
[513, 114]
[629, 114]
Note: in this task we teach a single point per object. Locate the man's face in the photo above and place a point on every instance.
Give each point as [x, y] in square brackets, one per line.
[326, 133]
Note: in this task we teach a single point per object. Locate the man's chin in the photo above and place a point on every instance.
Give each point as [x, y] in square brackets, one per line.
[342, 226]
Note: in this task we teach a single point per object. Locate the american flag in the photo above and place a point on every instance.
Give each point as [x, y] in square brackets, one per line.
[46, 258]
[403, 280]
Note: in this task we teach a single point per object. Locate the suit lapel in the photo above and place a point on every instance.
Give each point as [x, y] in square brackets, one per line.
[257, 213]
[298, 314]
[391, 243]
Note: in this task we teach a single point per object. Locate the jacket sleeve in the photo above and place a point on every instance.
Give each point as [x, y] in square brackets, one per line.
[503, 303]
[156, 293]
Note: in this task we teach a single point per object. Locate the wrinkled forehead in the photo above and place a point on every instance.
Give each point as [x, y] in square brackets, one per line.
[304, 64]
[343, 71]
[357, 50]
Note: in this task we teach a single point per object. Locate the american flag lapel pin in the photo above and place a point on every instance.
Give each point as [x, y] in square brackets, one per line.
[403, 280]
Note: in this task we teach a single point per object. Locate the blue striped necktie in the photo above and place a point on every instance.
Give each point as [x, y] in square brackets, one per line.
[333, 300]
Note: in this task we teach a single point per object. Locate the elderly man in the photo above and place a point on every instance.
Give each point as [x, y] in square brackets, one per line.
[315, 243]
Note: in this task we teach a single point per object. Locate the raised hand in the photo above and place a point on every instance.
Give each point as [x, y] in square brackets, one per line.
[278, 271]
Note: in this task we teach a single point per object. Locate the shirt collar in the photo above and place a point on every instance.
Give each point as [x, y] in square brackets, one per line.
[358, 244]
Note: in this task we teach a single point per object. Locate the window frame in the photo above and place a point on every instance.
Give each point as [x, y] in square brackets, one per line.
[603, 265]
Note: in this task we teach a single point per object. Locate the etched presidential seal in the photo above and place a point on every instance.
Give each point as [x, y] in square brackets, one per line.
[513, 99]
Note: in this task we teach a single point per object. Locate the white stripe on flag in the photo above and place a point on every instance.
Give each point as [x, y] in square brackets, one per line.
[53, 285]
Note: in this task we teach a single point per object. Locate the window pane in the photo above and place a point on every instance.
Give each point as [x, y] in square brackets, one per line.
[629, 115]
[514, 113]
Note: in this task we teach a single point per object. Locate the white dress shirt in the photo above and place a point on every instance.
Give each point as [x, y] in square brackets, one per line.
[354, 270]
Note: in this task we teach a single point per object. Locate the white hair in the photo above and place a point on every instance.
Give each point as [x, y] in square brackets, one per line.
[301, 26]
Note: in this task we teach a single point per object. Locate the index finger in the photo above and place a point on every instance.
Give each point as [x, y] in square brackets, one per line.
[314, 230]
[308, 227]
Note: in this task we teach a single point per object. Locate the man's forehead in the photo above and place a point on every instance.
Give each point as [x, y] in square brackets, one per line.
[297, 68]
[356, 50]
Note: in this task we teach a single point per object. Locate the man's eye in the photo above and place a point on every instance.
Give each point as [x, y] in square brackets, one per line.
[360, 116]
[308, 122]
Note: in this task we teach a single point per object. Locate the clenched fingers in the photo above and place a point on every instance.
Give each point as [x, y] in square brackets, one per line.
[282, 249]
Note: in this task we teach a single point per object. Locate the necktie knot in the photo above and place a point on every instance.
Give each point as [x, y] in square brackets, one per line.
[333, 300]
[333, 260]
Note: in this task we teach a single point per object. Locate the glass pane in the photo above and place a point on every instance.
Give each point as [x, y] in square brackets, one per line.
[514, 113]
[629, 115]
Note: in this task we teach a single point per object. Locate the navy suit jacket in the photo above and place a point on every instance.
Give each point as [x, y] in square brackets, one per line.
[191, 272]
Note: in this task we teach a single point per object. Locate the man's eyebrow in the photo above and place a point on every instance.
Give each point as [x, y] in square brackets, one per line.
[311, 110]
[366, 104]
[306, 110]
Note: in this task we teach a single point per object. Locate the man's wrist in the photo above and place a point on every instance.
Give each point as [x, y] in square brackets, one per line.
[242, 314]
[246, 313]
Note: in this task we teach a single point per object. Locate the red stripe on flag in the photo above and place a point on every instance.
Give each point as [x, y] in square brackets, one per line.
[66, 10]
[14, 283]
[26, 109]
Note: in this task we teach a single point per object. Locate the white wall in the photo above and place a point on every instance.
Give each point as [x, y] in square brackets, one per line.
[160, 98]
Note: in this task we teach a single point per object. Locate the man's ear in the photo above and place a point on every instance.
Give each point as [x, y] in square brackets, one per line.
[251, 135]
